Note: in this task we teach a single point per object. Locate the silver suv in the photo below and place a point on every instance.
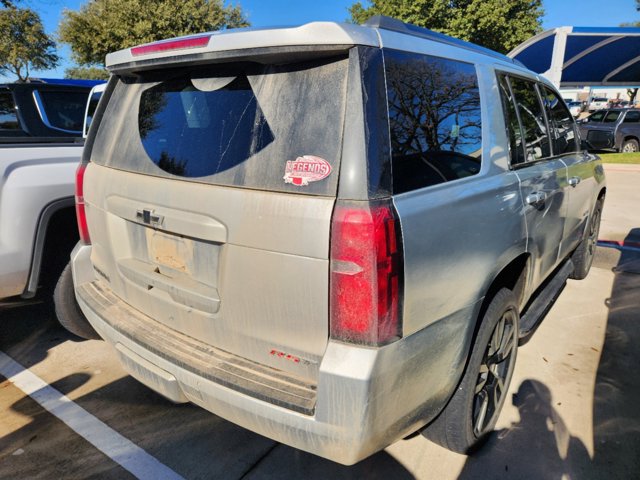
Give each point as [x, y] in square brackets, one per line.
[332, 235]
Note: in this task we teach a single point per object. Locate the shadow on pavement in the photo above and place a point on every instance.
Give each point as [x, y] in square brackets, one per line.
[186, 438]
[616, 416]
[537, 447]
[27, 332]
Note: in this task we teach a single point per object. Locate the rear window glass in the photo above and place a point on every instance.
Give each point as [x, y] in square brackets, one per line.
[434, 119]
[62, 110]
[561, 123]
[248, 125]
[632, 117]
[8, 114]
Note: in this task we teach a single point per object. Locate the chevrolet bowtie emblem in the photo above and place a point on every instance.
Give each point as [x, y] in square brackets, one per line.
[149, 218]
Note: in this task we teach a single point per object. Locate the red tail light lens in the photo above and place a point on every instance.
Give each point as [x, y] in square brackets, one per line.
[366, 274]
[164, 46]
[81, 214]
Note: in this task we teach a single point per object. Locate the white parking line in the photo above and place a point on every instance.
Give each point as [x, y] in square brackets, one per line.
[119, 449]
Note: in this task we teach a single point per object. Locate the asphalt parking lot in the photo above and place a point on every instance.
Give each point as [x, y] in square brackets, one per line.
[573, 412]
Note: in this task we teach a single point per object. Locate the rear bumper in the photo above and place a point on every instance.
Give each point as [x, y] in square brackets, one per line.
[365, 398]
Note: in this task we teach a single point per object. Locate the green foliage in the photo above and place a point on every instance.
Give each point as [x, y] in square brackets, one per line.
[497, 24]
[23, 43]
[87, 73]
[104, 26]
[633, 158]
[636, 23]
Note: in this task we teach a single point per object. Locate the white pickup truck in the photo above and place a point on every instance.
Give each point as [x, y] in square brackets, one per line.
[41, 130]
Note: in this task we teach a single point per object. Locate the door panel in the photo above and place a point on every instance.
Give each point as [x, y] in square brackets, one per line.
[545, 208]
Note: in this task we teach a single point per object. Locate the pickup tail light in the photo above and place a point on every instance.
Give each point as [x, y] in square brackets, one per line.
[366, 273]
[170, 45]
[81, 214]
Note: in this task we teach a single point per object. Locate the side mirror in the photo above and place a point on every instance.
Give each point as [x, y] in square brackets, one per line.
[585, 145]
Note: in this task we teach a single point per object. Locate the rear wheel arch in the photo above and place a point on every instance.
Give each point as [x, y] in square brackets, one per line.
[632, 141]
[56, 234]
[513, 276]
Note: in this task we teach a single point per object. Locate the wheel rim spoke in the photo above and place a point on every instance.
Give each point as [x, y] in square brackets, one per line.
[492, 374]
[483, 399]
[482, 378]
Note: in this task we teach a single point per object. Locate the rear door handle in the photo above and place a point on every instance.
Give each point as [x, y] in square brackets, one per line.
[536, 198]
[573, 181]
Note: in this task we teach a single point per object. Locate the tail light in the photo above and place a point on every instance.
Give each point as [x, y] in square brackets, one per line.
[366, 273]
[81, 214]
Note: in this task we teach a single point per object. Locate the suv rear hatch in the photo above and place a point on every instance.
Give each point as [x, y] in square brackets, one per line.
[209, 199]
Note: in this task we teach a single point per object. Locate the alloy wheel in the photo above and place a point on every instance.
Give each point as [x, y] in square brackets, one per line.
[495, 374]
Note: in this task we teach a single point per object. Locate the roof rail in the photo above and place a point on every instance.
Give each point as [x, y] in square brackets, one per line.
[394, 25]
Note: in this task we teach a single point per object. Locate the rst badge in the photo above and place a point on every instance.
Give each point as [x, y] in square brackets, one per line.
[306, 169]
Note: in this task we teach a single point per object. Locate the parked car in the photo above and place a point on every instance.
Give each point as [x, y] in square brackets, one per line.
[272, 230]
[575, 108]
[92, 104]
[615, 129]
[40, 148]
[598, 103]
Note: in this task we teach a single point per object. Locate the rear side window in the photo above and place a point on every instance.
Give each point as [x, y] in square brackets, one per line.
[561, 123]
[434, 119]
[612, 116]
[91, 110]
[247, 125]
[62, 110]
[532, 119]
[8, 114]
[516, 147]
[632, 117]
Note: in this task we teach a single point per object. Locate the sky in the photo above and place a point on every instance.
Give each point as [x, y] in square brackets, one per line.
[261, 13]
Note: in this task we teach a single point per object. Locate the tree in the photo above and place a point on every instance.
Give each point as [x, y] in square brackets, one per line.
[497, 24]
[23, 43]
[103, 26]
[636, 23]
[87, 73]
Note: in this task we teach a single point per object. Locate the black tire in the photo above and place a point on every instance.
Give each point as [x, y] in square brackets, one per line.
[67, 309]
[582, 257]
[470, 416]
[629, 146]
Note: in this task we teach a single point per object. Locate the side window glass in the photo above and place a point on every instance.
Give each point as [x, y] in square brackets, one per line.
[511, 119]
[91, 110]
[612, 116]
[561, 123]
[532, 117]
[434, 120]
[62, 110]
[8, 114]
[632, 117]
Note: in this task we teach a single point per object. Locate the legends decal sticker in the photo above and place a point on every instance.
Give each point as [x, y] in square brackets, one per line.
[306, 169]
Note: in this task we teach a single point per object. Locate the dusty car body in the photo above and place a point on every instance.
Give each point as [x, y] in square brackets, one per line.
[311, 260]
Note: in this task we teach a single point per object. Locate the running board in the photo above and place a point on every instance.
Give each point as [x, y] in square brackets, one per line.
[542, 303]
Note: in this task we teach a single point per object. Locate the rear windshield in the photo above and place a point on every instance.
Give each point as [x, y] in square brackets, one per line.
[246, 125]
